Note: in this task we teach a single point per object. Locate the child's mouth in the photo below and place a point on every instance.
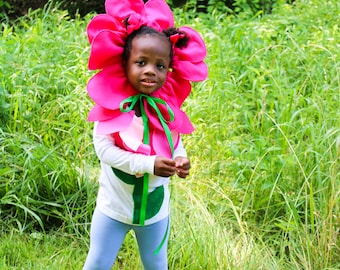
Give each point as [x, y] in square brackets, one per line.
[148, 83]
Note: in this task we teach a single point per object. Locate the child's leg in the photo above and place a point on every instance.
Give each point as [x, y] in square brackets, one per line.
[149, 238]
[106, 238]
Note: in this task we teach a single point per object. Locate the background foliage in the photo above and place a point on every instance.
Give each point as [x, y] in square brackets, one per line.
[15, 8]
[264, 186]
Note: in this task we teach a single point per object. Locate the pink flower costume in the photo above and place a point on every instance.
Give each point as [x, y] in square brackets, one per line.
[114, 97]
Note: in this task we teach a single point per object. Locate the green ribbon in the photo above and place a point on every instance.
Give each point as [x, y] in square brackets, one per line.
[128, 105]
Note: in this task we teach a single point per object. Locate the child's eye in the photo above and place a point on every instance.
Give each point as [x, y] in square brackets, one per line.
[160, 66]
[140, 62]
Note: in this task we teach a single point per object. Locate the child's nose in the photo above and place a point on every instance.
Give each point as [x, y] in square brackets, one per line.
[150, 69]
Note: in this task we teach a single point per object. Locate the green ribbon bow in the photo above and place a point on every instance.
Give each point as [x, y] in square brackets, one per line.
[128, 105]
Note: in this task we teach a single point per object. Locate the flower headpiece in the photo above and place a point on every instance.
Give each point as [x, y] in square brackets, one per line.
[107, 34]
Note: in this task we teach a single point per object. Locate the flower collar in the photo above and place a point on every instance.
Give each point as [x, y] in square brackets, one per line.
[107, 34]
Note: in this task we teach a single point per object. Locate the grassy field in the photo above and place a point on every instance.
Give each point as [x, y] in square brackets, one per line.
[264, 190]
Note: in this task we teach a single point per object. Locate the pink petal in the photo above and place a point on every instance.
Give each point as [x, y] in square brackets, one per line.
[182, 124]
[196, 50]
[181, 88]
[101, 22]
[155, 13]
[166, 92]
[106, 49]
[116, 124]
[153, 119]
[99, 113]
[159, 14]
[144, 149]
[191, 71]
[109, 87]
[124, 8]
[160, 143]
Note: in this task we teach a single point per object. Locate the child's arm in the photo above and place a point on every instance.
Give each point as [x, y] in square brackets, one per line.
[128, 162]
[114, 156]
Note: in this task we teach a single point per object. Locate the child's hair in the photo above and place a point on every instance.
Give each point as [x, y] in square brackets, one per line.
[146, 30]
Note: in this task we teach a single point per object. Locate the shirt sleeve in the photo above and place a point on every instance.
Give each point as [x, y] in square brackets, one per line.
[114, 156]
[180, 150]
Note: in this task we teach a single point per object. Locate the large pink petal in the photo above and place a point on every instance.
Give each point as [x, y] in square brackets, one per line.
[166, 93]
[160, 144]
[190, 70]
[155, 13]
[99, 113]
[182, 124]
[116, 124]
[106, 49]
[181, 88]
[153, 119]
[109, 87]
[159, 14]
[101, 22]
[174, 93]
[124, 8]
[196, 50]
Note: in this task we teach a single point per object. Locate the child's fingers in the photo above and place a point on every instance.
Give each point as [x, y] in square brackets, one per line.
[164, 167]
[182, 173]
[183, 163]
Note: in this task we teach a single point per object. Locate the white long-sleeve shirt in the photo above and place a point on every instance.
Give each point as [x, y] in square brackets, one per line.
[115, 196]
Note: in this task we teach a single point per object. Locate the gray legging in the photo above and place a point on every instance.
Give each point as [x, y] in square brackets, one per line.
[107, 236]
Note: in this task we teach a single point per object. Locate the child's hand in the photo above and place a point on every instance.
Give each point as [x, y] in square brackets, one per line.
[182, 166]
[164, 167]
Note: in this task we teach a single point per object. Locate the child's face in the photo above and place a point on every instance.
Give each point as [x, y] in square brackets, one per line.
[148, 64]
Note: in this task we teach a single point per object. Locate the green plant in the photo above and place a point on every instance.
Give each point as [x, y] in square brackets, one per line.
[264, 186]
[45, 145]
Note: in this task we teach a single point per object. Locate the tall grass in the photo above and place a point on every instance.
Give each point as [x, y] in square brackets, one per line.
[45, 139]
[264, 186]
[265, 154]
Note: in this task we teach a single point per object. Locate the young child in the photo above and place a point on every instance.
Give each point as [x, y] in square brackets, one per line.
[146, 68]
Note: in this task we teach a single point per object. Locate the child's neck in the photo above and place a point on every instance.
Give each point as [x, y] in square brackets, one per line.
[137, 109]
